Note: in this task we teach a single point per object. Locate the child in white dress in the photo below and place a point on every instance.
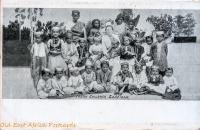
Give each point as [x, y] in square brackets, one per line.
[75, 82]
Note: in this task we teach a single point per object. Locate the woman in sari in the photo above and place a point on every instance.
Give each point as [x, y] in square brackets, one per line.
[76, 27]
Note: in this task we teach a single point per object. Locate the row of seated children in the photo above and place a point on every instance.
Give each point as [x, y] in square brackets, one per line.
[101, 82]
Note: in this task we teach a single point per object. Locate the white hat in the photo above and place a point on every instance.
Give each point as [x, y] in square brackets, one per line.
[108, 24]
[159, 32]
[56, 28]
[38, 33]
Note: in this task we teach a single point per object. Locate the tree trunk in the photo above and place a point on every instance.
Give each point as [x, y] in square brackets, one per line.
[20, 27]
[31, 24]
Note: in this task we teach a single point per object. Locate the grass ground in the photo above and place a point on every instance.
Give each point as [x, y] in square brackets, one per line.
[184, 58]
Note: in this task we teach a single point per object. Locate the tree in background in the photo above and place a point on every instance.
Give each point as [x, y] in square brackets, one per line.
[30, 13]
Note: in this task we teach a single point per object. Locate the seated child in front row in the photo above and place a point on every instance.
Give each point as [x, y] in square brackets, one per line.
[172, 91]
[123, 80]
[89, 76]
[155, 81]
[96, 51]
[75, 82]
[82, 52]
[59, 81]
[140, 80]
[44, 88]
[104, 79]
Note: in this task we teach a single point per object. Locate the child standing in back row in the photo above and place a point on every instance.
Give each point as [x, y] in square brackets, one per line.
[159, 52]
[39, 57]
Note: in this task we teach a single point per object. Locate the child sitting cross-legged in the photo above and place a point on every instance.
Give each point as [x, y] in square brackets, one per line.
[123, 80]
[104, 79]
[89, 76]
[140, 81]
[75, 82]
[44, 87]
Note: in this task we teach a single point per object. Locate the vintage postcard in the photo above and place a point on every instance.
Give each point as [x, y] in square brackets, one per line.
[144, 52]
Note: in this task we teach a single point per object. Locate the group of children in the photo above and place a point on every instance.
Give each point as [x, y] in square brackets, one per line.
[63, 67]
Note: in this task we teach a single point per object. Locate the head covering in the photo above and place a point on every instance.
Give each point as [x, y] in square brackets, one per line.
[124, 63]
[56, 28]
[74, 69]
[45, 71]
[155, 67]
[119, 16]
[97, 39]
[126, 37]
[159, 32]
[38, 34]
[88, 63]
[135, 20]
[104, 62]
[59, 69]
[68, 35]
[81, 39]
[75, 11]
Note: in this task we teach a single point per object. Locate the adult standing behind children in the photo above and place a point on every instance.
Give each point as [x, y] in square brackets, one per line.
[77, 27]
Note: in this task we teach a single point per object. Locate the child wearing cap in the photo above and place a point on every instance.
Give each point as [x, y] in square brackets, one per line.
[155, 81]
[82, 52]
[159, 51]
[71, 53]
[123, 80]
[127, 53]
[56, 50]
[96, 52]
[39, 57]
[44, 86]
[59, 81]
[172, 91]
[104, 79]
[75, 82]
[89, 76]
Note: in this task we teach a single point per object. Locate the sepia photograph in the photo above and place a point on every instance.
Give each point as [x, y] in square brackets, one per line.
[101, 54]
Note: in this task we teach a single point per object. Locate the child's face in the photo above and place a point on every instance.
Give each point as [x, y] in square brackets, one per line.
[103, 24]
[46, 76]
[69, 40]
[124, 68]
[159, 37]
[75, 73]
[82, 43]
[131, 25]
[149, 41]
[38, 39]
[55, 33]
[105, 68]
[168, 73]
[96, 42]
[75, 17]
[138, 69]
[126, 41]
[59, 75]
[137, 43]
[119, 21]
[114, 44]
[96, 24]
[155, 71]
[109, 30]
[88, 69]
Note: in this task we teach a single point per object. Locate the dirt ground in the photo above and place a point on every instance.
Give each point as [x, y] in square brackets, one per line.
[184, 58]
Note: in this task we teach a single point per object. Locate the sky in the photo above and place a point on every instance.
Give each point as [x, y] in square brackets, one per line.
[64, 15]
